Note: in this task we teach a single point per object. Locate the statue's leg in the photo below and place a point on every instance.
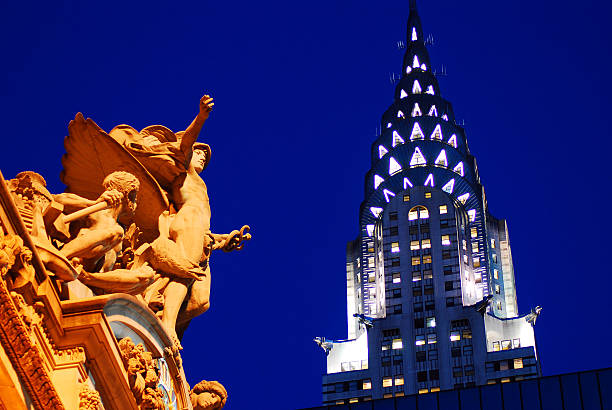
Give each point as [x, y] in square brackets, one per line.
[174, 295]
[189, 232]
[199, 300]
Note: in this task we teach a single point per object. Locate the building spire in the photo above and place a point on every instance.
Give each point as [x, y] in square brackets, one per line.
[413, 5]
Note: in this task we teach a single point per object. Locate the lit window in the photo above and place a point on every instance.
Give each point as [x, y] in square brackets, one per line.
[414, 34]
[400, 114]
[417, 133]
[455, 336]
[415, 245]
[453, 141]
[421, 391]
[441, 160]
[367, 384]
[416, 87]
[433, 112]
[495, 273]
[389, 125]
[494, 256]
[417, 158]
[408, 69]
[376, 211]
[381, 151]
[397, 278]
[465, 259]
[516, 343]
[430, 90]
[423, 212]
[427, 195]
[463, 198]
[403, 94]
[396, 344]
[499, 305]
[435, 389]
[387, 382]
[413, 214]
[427, 259]
[426, 243]
[497, 289]
[420, 340]
[443, 209]
[406, 198]
[474, 247]
[506, 345]
[496, 346]
[416, 276]
[397, 139]
[445, 117]
[416, 111]
[472, 215]
[431, 338]
[446, 240]
[423, 67]
[407, 183]
[415, 62]
[476, 262]
[474, 232]
[503, 365]
[427, 274]
[395, 247]
[399, 380]
[429, 181]
[430, 322]
[467, 334]
[377, 181]
[464, 244]
[394, 166]
[518, 363]
[385, 347]
[437, 133]
[459, 169]
[370, 231]
[416, 260]
[448, 187]
[388, 194]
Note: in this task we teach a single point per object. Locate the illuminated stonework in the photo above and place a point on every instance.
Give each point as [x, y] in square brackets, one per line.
[430, 280]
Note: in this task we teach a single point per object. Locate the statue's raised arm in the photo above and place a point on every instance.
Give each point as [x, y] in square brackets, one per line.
[192, 132]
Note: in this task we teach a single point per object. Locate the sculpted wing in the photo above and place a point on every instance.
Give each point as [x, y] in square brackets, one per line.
[91, 154]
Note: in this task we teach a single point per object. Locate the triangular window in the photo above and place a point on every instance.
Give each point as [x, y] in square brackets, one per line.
[397, 139]
[394, 166]
[416, 87]
[463, 198]
[408, 69]
[429, 181]
[423, 67]
[437, 133]
[415, 62]
[449, 186]
[403, 94]
[472, 215]
[445, 117]
[414, 34]
[417, 158]
[370, 230]
[400, 114]
[459, 169]
[430, 90]
[453, 140]
[389, 125]
[388, 194]
[382, 151]
[441, 160]
[416, 111]
[417, 134]
[433, 112]
[375, 211]
[407, 183]
[377, 181]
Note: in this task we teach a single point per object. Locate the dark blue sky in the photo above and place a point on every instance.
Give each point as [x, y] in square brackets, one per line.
[299, 90]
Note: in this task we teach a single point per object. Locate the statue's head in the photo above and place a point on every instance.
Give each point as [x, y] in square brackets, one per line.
[208, 395]
[200, 157]
[125, 183]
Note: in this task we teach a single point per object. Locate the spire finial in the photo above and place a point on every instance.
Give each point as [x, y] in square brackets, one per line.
[413, 5]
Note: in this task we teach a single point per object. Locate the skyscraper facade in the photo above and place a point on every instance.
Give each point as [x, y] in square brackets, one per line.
[431, 298]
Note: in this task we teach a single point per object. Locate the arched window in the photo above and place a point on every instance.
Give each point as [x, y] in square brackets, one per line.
[418, 212]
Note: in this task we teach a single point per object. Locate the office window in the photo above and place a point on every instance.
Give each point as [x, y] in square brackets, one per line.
[467, 334]
[430, 322]
[457, 372]
[506, 345]
[413, 230]
[427, 259]
[367, 384]
[446, 240]
[396, 344]
[425, 390]
[495, 273]
[385, 346]
[395, 262]
[464, 244]
[413, 214]
[426, 243]
[449, 285]
[492, 243]
[393, 216]
[427, 274]
[394, 231]
[387, 382]
[399, 380]
[417, 291]
[427, 195]
[420, 340]
[516, 343]
[421, 356]
[397, 278]
[431, 338]
[476, 262]
[497, 289]
[518, 363]
[416, 260]
[416, 276]
[418, 307]
[395, 247]
[496, 347]
[443, 209]
[448, 270]
[422, 377]
[465, 259]
[474, 247]
[503, 365]
[455, 336]
[419, 323]
[434, 374]
[430, 305]
[455, 352]
[474, 232]
[415, 245]
[397, 309]
[469, 370]
[494, 258]
[429, 289]
[450, 302]
[406, 198]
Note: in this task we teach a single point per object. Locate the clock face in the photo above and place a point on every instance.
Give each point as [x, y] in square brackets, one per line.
[166, 385]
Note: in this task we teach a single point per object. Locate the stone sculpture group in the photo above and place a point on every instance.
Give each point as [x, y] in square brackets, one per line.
[135, 218]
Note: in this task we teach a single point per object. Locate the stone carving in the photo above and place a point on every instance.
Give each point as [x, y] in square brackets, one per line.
[142, 374]
[208, 396]
[17, 258]
[89, 399]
